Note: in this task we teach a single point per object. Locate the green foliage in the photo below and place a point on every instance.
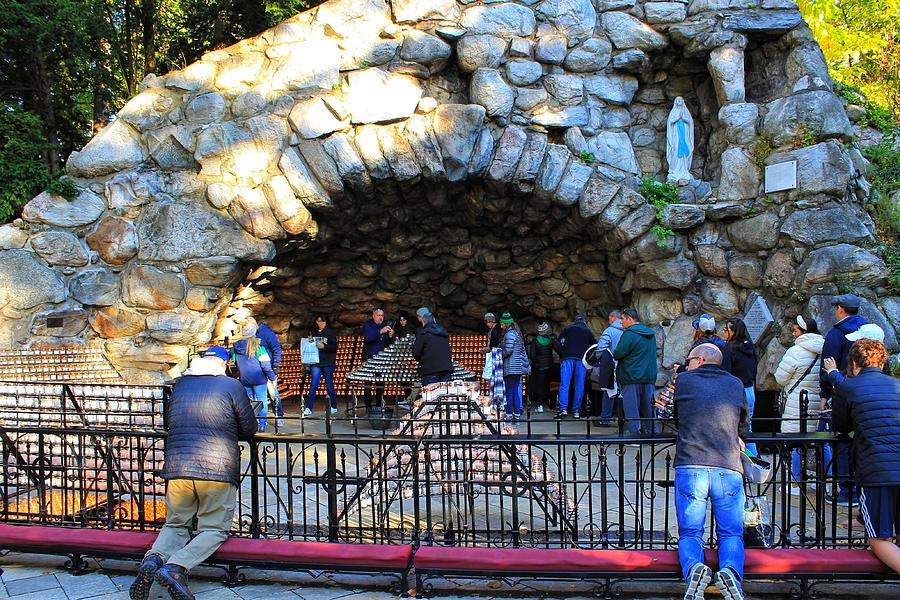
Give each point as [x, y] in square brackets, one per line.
[659, 195]
[23, 173]
[761, 151]
[752, 211]
[63, 186]
[587, 157]
[890, 251]
[876, 116]
[803, 137]
[661, 234]
[861, 43]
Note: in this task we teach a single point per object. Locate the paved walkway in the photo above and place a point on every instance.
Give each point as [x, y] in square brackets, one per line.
[34, 577]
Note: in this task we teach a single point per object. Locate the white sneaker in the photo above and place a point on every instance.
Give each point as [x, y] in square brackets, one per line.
[334, 411]
[307, 412]
[279, 423]
[576, 415]
[540, 408]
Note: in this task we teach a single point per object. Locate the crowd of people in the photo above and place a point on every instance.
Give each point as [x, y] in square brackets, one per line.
[843, 374]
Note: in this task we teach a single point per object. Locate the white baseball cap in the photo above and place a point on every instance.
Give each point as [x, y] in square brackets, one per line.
[869, 331]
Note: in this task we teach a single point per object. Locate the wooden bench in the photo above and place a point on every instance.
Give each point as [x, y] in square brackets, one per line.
[234, 554]
[610, 566]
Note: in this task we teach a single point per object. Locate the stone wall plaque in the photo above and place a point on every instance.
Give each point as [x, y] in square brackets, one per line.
[782, 176]
[757, 317]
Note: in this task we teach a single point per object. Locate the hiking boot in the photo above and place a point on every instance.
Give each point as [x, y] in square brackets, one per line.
[174, 578]
[697, 580]
[729, 585]
[140, 587]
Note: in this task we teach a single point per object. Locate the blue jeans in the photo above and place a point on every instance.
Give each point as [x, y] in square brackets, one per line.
[837, 456]
[279, 409]
[260, 394]
[797, 464]
[606, 406]
[513, 385]
[566, 369]
[694, 485]
[637, 404]
[751, 402]
[437, 378]
[317, 372]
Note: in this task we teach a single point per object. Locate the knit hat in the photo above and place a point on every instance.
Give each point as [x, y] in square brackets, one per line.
[403, 315]
[217, 352]
[705, 323]
[248, 331]
[544, 328]
[506, 318]
[424, 313]
[490, 318]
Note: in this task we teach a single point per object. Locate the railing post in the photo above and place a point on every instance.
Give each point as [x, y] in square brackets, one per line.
[331, 481]
[253, 448]
[804, 409]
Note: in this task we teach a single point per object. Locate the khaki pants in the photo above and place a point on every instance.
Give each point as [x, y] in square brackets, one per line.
[213, 504]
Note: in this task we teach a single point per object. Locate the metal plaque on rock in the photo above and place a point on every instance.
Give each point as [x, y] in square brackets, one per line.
[757, 317]
[782, 176]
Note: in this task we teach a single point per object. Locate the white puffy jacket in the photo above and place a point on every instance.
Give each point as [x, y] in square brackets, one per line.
[807, 349]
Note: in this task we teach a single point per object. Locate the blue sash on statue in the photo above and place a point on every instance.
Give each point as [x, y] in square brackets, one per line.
[683, 149]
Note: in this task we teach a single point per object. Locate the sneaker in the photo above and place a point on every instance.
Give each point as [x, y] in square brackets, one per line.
[576, 415]
[540, 408]
[174, 579]
[697, 580]
[562, 414]
[307, 412]
[795, 488]
[140, 588]
[279, 423]
[333, 410]
[729, 585]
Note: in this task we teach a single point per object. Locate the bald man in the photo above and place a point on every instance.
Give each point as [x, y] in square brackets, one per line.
[710, 413]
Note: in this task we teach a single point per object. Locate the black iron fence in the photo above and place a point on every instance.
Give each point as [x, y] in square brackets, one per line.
[496, 487]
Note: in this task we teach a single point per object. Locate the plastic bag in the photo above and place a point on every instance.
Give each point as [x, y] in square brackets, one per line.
[756, 470]
[309, 352]
[488, 370]
[758, 530]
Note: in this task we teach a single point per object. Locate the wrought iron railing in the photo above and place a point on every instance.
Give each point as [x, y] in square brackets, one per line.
[491, 489]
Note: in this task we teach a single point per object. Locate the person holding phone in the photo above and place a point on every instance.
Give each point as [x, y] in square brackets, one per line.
[326, 341]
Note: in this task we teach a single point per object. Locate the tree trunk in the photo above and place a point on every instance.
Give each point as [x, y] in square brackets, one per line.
[44, 106]
[148, 25]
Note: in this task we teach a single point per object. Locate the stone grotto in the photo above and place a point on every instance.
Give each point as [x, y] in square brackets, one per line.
[462, 154]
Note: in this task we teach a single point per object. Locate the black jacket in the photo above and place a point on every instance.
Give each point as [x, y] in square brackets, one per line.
[432, 350]
[710, 412]
[868, 405]
[575, 340]
[495, 337]
[541, 355]
[742, 360]
[328, 354]
[207, 415]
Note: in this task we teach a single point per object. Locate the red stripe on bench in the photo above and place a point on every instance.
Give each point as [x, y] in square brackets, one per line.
[549, 561]
[775, 561]
[323, 554]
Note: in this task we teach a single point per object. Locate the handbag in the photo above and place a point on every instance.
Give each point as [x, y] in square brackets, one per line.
[756, 470]
[758, 529]
[309, 352]
[783, 396]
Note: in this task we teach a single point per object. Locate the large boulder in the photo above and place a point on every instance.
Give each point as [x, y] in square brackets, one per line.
[172, 232]
[245, 149]
[746, 271]
[506, 20]
[477, 51]
[379, 97]
[59, 322]
[116, 148]
[657, 305]
[12, 238]
[456, 127]
[626, 31]
[488, 88]
[574, 19]
[59, 248]
[755, 233]
[840, 262]
[144, 286]
[821, 169]
[216, 271]
[613, 87]
[678, 340]
[95, 287]
[59, 212]
[26, 282]
[718, 297]
[819, 113]
[181, 327]
[589, 57]
[678, 273]
[114, 239]
[827, 225]
[614, 149]
[740, 177]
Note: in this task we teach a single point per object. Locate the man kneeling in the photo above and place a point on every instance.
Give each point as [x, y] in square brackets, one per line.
[208, 412]
[711, 412]
[868, 406]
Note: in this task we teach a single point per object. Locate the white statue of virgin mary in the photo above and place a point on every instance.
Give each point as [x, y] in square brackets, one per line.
[679, 143]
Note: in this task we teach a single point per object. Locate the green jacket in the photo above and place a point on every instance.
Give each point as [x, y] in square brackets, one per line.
[636, 353]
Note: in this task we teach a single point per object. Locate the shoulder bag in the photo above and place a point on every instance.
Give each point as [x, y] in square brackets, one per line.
[783, 396]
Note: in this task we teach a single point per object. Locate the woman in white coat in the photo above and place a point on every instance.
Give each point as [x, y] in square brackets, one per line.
[798, 371]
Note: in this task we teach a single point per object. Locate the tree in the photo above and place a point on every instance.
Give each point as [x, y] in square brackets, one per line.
[861, 42]
[23, 172]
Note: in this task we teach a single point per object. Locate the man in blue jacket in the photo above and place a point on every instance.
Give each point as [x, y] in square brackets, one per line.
[574, 340]
[207, 413]
[636, 372]
[837, 347]
[868, 406]
[376, 337]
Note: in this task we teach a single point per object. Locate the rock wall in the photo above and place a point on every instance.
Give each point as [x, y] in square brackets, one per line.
[430, 151]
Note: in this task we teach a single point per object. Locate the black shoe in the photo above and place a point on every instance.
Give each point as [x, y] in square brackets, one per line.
[697, 580]
[174, 579]
[729, 585]
[140, 587]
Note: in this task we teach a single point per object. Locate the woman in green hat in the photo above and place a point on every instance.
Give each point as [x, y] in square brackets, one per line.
[515, 364]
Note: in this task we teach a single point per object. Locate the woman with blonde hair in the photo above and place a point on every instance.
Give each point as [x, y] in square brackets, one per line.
[255, 369]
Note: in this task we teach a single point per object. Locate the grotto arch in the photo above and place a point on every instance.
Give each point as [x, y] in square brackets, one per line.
[459, 154]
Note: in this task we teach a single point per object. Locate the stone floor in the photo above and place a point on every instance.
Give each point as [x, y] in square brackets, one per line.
[37, 577]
